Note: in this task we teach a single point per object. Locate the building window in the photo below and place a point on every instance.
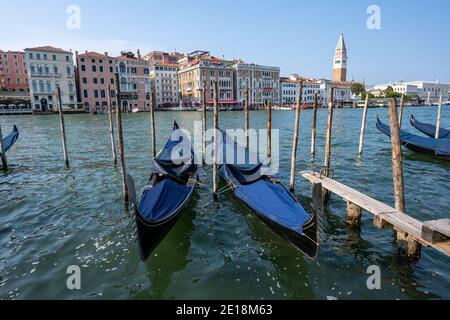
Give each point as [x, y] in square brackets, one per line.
[71, 88]
[111, 69]
[94, 68]
[35, 89]
[102, 80]
[41, 86]
[103, 94]
[101, 68]
[84, 80]
[96, 93]
[30, 55]
[55, 70]
[49, 86]
[54, 57]
[95, 80]
[67, 58]
[83, 67]
[82, 59]
[85, 94]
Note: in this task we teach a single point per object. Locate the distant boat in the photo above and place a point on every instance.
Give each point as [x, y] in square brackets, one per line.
[439, 148]
[168, 191]
[10, 139]
[429, 129]
[136, 110]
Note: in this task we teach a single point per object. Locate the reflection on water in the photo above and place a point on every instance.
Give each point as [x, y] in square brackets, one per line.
[51, 217]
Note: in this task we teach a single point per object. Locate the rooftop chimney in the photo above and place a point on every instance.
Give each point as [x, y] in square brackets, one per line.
[106, 53]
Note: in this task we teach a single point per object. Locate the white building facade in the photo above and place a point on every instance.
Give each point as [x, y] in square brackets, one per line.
[429, 91]
[49, 68]
[164, 79]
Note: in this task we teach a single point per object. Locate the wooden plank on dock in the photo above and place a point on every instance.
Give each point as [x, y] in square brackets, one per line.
[436, 230]
[383, 212]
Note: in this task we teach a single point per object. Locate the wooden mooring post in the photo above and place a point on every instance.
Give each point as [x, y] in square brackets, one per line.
[438, 121]
[63, 127]
[269, 130]
[402, 106]
[216, 138]
[407, 244]
[204, 121]
[2, 149]
[326, 194]
[363, 126]
[111, 125]
[152, 120]
[295, 141]
[314, 123]
[246, 120]
[120, 135]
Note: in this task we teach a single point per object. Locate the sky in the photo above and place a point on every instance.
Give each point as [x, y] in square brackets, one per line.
[298, 36]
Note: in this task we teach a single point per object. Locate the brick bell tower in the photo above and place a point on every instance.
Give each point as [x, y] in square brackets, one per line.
[340, 61]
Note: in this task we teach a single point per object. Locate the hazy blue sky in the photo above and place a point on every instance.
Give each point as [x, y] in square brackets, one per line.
[298, 36]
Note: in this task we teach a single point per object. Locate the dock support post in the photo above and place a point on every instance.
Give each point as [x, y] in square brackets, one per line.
[402, 106]
[318, 198]
[406, 244]
[269, 130]
[111, 126]
[314, 123]
[204, 121]
[363, 126]
[2, 149]
[295, 142]
[246, 121]
[63, 127]
[216, 137]
[353, 214]
[326, 193]
[152, 120]
[120, 134]
[438, 122]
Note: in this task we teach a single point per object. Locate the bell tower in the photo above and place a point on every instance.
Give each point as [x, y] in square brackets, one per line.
[340, 61]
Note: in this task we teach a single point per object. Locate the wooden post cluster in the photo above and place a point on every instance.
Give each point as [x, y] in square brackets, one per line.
[438, 121]
[216, 138]
[204, 121]
[2, 150]
[111, 126]
[152, 120]
[120, 135]
[246, 120]
[295, 142]
[314, 122]
[327, 163]
[63, 128]
[363, 126]
[269, 130]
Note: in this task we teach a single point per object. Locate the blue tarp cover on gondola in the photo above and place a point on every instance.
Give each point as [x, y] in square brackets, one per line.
[176, 158]
[429, 129]
[160, 201]
[274, 202]
[271, 200]
[10, 139]
[440, 147]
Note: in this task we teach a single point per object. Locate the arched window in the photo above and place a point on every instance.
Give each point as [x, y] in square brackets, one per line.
[123, 84]
[41, 86]
[34, 84]
[49, 86]
[70, 87]
[122, 67]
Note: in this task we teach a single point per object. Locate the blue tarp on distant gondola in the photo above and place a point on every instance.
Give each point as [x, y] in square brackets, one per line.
[270, 200]
[275, 203]
[438, 147]
[10, 139]
[429, 129]
[176, 159]
[160, 201]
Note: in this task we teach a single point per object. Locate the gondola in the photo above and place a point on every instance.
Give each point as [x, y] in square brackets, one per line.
[10, 139]
[429, 129]
[267, 197]
[439, 148]
[168, 192]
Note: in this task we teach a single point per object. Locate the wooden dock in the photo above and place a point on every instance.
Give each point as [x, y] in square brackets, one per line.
[435, 234]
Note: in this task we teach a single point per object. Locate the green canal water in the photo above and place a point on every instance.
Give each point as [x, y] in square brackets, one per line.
[51, 217]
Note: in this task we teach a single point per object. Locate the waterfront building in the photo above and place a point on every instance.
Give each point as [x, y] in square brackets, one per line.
[340, 61]
[289, 91]
[94, 72]
[13, 71]
[199, 66]
[426, 90]
[263, 83]
[342, 94]
[164, 70]
[49, 68]
[135, 85]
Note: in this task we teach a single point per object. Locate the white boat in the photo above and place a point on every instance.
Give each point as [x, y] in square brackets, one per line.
[136, 110]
